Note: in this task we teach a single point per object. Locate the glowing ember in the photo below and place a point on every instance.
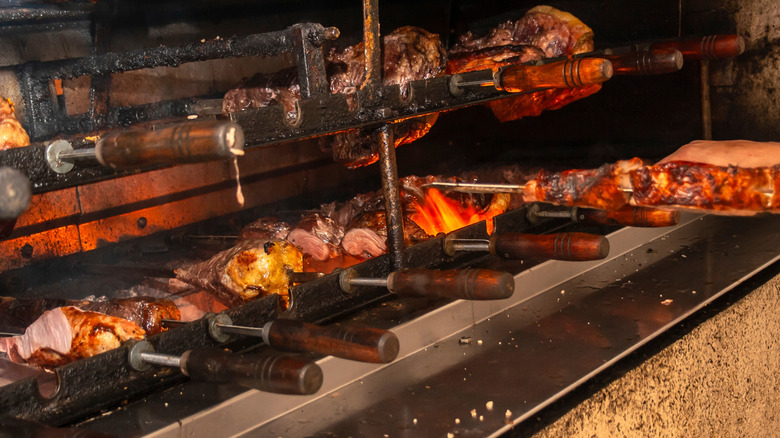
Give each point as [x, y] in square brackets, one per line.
[440, 214]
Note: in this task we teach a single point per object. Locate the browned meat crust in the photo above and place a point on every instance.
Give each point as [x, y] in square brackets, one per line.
[706, 186]
[247, 271]
[544, 32]
[409, 54]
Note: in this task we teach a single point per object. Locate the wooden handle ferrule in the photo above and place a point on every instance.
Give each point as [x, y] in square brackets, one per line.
[188, 142]
[567, 73]
[365, 344]
[561, 246]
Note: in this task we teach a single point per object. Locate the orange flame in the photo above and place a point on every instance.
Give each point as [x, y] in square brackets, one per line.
[440, 214]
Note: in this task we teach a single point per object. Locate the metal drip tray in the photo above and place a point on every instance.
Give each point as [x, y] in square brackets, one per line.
[478, 368]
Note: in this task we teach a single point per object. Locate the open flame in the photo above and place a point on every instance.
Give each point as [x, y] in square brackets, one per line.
[440, 214]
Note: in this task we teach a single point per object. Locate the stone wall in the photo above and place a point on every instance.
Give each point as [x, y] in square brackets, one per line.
[721, 379]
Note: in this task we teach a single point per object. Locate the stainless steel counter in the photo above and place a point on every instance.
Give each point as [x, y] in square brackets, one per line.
[478, 368]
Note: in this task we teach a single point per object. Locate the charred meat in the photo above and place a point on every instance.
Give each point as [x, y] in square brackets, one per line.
[247, 271]
[705, 186]
[409, 54]
[146, 312]
[543, 32]
[595, 188]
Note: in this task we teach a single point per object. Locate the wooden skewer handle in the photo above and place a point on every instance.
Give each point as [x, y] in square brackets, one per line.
[647, 62]
[709, 47]
[188, 142]
[562, 74]
[630, 216]
[562, 246]
[277, 373]
[465, 284]
[365, 344]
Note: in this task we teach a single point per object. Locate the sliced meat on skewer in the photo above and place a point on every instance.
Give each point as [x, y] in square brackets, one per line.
[601, 188]
[366, 236]
[66, 334]
[317, 236]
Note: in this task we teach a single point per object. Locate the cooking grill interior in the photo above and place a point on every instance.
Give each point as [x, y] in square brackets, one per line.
[143, 219]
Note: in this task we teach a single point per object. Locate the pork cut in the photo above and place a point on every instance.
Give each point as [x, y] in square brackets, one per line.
[366, 235]
[65, 334]
[247, 271]
[146, 312]
[728, 190]
[317, 236]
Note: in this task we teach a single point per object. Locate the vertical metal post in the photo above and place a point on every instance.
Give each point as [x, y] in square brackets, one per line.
[372, 48]
[394, 215]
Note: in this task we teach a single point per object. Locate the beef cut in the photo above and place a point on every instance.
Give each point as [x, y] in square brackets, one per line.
[543, 32]
[65, 334]
[409, 53]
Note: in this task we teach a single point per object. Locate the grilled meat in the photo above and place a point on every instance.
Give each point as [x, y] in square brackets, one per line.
[366, 235]
[147, 312]
[677, 184]
[266, 228]
[317, 236]
[596, 188]
[543, 32]
[12, 135]
[409, 54]
[249, 270]
[66, 334]
[705, 186]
